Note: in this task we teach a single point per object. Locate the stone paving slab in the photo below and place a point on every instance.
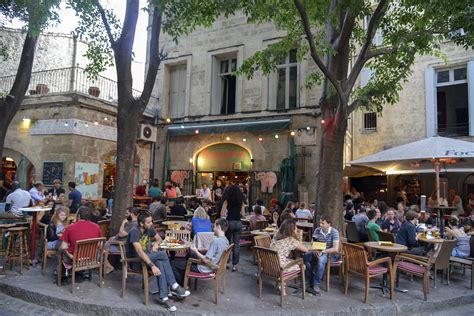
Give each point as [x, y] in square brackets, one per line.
[240, 296]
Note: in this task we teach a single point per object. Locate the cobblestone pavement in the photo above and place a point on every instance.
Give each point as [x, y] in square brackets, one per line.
[10, 306]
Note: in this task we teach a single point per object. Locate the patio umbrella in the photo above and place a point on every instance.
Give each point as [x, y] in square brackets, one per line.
[428, 155]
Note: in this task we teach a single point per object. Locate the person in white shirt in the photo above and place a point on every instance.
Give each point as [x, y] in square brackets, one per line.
[303, 212]
[19, 198]
[36, 193]
[205, 192]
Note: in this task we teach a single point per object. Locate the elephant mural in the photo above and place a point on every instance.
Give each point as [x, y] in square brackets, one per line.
[179, 176]
[267, 180]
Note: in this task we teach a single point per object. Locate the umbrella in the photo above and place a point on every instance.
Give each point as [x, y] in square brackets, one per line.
[423, 156]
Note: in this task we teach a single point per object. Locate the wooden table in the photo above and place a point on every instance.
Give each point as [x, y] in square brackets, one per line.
[184, 246]
[431, 240]
[182, 223]
[263, 232]
[35, 211]
[392, 251]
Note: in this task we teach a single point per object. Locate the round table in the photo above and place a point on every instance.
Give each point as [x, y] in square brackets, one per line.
[263, 232]
[392, 251]
[182, 223]
[431, 240]
[35, 211]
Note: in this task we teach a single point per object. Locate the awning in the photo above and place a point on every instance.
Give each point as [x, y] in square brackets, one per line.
[218, 127]
[361, 171]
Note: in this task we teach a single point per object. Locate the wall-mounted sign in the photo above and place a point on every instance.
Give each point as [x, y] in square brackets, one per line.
[52, 170]
[223, 157]
[86, 176]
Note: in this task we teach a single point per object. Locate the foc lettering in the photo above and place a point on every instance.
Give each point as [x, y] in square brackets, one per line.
[459, 153]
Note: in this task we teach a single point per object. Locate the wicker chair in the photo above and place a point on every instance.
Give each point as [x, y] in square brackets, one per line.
[269, 267]
[218, 274]
[358, 264]
[88, 255]
[441, 259]
[414, 265]
[262, 241]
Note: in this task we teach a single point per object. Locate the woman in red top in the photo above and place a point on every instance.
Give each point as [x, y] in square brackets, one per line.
[170, 191]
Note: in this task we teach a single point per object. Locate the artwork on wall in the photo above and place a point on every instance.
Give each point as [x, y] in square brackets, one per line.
[86, 176]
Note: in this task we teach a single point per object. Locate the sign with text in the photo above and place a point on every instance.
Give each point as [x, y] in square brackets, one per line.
[86, 176]
[224, 157]
[52, 170]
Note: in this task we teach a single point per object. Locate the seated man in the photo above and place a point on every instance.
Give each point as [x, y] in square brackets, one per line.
[372, 226]
[407, 235]
[212, 257]
[19, 198]
[391, 224]
[361, 221]
[82, 229]
[143, 242]
[329, 235]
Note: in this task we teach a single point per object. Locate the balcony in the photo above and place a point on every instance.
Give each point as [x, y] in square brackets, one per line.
[74, 79]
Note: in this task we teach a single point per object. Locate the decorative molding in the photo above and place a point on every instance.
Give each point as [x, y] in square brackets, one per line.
[73, 127]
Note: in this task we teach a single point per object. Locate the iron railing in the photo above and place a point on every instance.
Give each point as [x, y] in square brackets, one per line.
[72, 79]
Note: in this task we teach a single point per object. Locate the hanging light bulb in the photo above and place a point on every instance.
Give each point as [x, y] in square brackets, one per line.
[96, 123]
[260, 139]
[227, 138]
[168, 120]
[196, 131]
[66, 124]
[292, 133]
[276, 136]
[244, 139]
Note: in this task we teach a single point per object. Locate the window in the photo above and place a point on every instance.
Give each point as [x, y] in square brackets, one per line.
[452, 102]
[177, 91]
[370, 122]
[227, 85]
[284, 84]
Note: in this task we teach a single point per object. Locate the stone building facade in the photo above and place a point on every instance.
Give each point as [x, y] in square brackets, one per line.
[62, 123]
[194, 81]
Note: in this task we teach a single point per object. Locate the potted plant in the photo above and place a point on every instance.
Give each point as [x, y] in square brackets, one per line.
[42, 88]
[94, 91]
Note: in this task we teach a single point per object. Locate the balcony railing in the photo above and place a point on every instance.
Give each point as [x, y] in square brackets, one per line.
[73, 79]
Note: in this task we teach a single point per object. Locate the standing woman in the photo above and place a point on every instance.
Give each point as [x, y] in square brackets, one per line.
[233, 209]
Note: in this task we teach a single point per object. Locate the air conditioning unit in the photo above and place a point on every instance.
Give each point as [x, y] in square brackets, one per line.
[147, 133]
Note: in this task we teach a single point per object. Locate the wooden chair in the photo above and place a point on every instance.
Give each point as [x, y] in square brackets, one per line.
[218, 274]
[3, 246]
[441, 259]
[46, 252]
[386, 236]
[104, 227]
[358, 264]
[269, 267]
[178, 234]
[88, 255]
[262, 241]
[352, 233]
[414, 265]
[339, 263]
[464, 263]
[261, 225]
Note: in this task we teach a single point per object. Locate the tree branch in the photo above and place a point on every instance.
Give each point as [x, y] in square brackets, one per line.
[155, 57]
[314, 54]
[112, 41]
[361, 59]
[351, 107]
[346, 31]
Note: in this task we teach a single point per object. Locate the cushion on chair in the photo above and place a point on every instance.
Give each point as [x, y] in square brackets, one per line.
[289, 274]
[197, 275]
[336, 263]
[410, 267]
[244, 242]
[377, 269]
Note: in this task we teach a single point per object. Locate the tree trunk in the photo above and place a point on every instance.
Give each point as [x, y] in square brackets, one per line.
[330, 173]
[12, 102]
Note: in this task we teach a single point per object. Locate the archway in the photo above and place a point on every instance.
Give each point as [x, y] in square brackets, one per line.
[16, 167]
[223, 161]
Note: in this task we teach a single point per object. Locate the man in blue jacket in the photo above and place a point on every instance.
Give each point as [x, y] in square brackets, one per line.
[407, 234]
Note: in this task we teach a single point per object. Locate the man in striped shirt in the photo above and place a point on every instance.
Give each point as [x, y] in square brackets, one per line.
[316, 261]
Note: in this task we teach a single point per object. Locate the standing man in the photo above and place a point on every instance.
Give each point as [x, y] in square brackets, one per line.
[327, 234]
[143, 242]
[36, 193]
[75, 197]
[56, 190]
[19, 198]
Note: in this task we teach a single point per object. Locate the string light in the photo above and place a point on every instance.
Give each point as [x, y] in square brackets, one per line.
[190, 160]
[168, 120]
[182, 126]
[87, 124]
[106, 118]
[292, 133]
[227, 138]
[308, 128]
[276, 136]
[260, 139]
[96, 123]
[323, 122]
[244, 139]
[66, 124]
[196, 131]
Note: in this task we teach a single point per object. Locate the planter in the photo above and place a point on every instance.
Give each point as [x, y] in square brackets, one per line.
[94, 91]
[42, 88]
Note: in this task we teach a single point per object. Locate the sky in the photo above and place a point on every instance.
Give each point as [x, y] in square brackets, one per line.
[69, 22]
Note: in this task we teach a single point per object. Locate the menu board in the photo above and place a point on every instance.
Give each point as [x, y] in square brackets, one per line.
[86, 176]
[52, 170]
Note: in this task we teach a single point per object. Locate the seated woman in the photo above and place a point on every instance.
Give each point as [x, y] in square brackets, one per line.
[285, 241]
[256, 217]
[56, 227]
[462, 247]
[46, 217]
[201, 222]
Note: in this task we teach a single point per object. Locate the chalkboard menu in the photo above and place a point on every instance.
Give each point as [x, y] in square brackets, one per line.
[52, 170]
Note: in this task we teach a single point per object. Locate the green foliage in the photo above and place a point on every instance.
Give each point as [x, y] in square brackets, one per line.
[36, 14]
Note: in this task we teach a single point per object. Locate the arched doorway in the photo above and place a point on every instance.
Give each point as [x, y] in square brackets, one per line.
[225, 161]
[15, 167]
